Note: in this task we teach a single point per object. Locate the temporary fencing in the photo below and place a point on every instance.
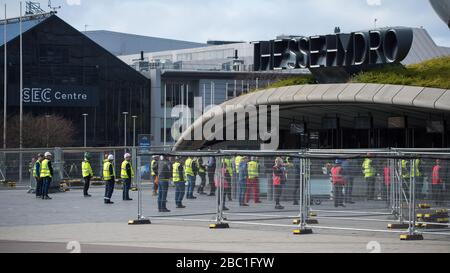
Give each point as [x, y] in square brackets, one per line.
[401, 191]
[66, 163]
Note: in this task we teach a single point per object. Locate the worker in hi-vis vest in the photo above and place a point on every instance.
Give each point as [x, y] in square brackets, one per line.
[154, 173]
[37, 175]
[126, 173]
[179, 181]
[190, 169]
[87, 173]
[253, 180]
[202, 173]
[46, 175]
[109, 175]
[369, 176]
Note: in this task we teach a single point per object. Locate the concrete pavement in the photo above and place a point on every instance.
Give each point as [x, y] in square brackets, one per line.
[30, 225]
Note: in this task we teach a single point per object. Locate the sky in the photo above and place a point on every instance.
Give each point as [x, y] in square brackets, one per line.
[242, 20]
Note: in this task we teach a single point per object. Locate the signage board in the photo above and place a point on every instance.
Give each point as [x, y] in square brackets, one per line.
[145, 143]
[356, 49]
[55, 96]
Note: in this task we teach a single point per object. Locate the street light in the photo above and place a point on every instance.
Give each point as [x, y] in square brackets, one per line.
[134, 130]
[125, 128]
[48, 129]
[85, 116]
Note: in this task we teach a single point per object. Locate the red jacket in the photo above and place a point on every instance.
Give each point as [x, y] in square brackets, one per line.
[336, 176]
[436, 176]
[387, 176]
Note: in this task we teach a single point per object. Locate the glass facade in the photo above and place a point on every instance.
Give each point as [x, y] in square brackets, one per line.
[58, 56]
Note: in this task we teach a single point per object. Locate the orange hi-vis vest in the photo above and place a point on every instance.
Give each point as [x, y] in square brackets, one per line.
[336, 176]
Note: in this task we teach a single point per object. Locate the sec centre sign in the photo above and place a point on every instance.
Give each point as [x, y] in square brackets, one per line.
[57, 96]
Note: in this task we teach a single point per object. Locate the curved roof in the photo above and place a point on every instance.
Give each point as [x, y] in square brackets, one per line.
[336, 94]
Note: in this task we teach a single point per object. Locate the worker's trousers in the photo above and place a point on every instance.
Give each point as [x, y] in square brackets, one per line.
[252, 185]
[87, 183]
[190, 186]
[242, 190]
[46, 185]
[370, 181]
[180, 189]
[38, 186]
[126, 188]
[163, 187]
[212, 183]
[109, 189]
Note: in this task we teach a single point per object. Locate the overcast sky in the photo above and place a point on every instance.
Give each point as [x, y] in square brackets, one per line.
[245, 20]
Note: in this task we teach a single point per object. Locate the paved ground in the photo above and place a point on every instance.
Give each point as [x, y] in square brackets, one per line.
[31, 225]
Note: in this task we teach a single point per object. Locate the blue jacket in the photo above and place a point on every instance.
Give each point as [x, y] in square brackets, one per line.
[243, 171]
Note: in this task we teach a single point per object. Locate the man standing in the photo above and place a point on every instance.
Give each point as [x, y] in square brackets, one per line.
[154, 173]
[202, 174]
[87, 172]
[406, 175]
[180, 184]
[37, 175]
[418, 177]
[437, 184]
[46, 175]
[337, 176]
[126, 173]
[369, 175]
[349, 171]
[109, 175]
[242, 178]
[253, 180]
[211, 173]
[229, 172]
[190, 169]
[164, 175]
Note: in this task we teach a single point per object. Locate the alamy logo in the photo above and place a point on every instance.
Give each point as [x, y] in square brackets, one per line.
[228, 123]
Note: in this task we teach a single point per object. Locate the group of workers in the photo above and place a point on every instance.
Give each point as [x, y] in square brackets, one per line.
[183, 173]
[42, 172]
[343, 171]
[245, 171]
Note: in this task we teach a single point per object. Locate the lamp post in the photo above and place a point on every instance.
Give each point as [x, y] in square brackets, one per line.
[125, 128]
[134, 130]
[85, 117]
[48, 129]
[5, 82]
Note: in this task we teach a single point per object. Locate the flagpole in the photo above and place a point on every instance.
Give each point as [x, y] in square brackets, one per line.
[21, 96]
[6, 84]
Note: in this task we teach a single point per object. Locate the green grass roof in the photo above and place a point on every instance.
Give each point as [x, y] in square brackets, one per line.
[433, 73]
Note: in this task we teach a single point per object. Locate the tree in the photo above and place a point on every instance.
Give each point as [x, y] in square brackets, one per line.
[39, 131]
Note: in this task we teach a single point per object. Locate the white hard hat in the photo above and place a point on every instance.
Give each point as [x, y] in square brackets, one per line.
[110, 157]
[126, 155]
[47, 154]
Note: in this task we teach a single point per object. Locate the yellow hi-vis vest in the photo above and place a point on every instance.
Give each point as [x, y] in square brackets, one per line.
[237, 161]
[86, 169]
[123, 170]
[45, 170]
[151, 167]
[188, 167]
[253, 169]
[176, 173]
[227, 162]
[34, 168]
[368, 169]
[201, 168]
[405, 169]
[417, 173]
[106, 174]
